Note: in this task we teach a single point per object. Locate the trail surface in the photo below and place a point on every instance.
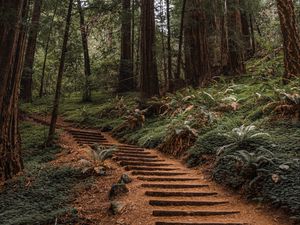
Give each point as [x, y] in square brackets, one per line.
[166, 192]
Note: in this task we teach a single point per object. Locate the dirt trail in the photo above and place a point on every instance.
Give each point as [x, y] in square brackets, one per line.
[165, 192]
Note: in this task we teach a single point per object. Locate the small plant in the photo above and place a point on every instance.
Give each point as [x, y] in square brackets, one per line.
[180, 138]
[251, 164]
[241, 136]
[99, 154]
[287, 103]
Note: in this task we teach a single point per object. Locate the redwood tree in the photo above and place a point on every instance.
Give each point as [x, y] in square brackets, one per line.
[12, 49]
[26, 81]
[149, 76]
[126, 78]
[197, 64]
[235, 39]
[291, 38]
[87, 96]
[60, 76]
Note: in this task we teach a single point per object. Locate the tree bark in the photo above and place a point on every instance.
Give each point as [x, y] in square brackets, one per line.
[126, 78]
[178, 66]
[253, 41]
[291, 38]
[169, 49]
[149, 75]
[197, 69]
[42, 91]
[12, 53]
[60, 76]
[87, 95]
[26, 81]
[235, 47]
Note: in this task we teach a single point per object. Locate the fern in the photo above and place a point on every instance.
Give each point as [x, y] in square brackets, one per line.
[240, 136]
[100, 153]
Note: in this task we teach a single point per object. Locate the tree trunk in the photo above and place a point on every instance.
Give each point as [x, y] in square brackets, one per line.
[178, 66]
[87, 95]
[60, 76]
[235, 47]
[169, 50]
[126, 79]
[42, 91]
[149, 76]
[291, 38]
[26, 81]
[246, 34]
[13, 47]
[197, 69]
[253, 42]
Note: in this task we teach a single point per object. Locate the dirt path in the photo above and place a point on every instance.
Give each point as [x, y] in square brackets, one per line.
[165, 192]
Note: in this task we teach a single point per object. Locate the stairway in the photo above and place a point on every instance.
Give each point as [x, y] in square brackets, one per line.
[176, 196]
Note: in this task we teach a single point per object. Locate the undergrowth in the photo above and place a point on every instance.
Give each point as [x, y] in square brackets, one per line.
[43, 193]
[257, 99]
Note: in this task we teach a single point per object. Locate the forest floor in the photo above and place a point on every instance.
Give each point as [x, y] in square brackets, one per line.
[85, 199]
[241, 132]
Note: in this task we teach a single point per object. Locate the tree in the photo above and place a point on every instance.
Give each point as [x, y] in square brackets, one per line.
[42, 84]
[87, 66]
[26, 81]
[60, 76]
[197, 63]
[126, 78]
[13, 46]
[149, 75]
[291, 38]
[178, 66]
[235, 40]
[169, 48]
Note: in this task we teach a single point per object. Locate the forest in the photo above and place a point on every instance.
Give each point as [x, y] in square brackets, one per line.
[154, 112]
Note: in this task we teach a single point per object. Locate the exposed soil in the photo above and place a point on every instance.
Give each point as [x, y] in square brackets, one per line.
[143, 165]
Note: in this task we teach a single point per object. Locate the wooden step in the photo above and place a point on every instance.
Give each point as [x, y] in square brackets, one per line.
[131, 148]
[144, 164]
[89, 139]
[133, 152]
[143, 168]
[147, 173]
[179, 194]
[87, 135]
[179, 223]
[137, 160]
[90, 133]
[171, 213]
[138, 156]
[174, 186]
[186, 203]
[166, 179]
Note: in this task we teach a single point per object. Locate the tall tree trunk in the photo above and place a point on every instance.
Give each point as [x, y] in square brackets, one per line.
[197, 68]
[26, 81]
[60, 76]
[246, 34]
[235, 46]
[126, 79]
[291, 38]
[178, 66]
[253, 42]
[149, 75]
[133, 39]
[41, 92]
[87, 95]
[164, 61]
[169, 49]
[13, 47]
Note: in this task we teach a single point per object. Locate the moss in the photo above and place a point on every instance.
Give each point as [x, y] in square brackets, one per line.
[43, 193]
